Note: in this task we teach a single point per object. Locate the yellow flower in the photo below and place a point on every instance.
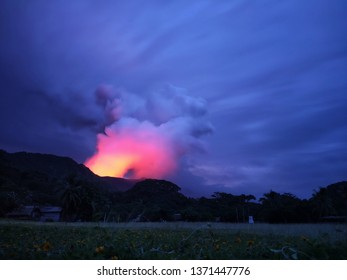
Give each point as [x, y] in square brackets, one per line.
[114, 258]
[46, 246]
[100, 249]
[238, 240]
[250, 243]
[304, 238]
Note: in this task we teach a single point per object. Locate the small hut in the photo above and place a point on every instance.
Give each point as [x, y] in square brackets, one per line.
[36, 213]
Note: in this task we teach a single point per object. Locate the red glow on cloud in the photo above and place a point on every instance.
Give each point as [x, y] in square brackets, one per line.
[146, 136]
[133, 152]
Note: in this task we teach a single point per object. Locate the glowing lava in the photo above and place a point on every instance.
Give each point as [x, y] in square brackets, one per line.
[132, 153]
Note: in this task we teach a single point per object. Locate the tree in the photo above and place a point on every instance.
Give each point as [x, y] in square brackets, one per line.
[330, 201]
[244, 204]
[71, 201]
[282, 208]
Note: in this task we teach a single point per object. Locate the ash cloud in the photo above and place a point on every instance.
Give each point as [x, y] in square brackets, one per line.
[147, 136]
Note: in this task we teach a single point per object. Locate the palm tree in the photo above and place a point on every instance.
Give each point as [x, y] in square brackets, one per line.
[71, 199]
[244, 200]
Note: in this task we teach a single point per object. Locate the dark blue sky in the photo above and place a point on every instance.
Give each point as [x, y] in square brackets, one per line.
[269, 76]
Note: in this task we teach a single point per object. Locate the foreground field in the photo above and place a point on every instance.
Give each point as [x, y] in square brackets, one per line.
[29, 240]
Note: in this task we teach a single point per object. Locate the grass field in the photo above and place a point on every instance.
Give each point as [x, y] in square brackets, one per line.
[33, 240]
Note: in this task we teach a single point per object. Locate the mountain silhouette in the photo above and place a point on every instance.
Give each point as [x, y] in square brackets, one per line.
[56, 168]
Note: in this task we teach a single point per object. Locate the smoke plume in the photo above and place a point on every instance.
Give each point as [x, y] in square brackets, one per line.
[146, 137]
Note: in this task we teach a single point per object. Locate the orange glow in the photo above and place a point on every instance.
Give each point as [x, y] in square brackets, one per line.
[132, 153]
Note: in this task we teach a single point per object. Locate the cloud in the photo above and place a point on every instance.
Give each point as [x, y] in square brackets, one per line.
[269, 75]
[147, 139]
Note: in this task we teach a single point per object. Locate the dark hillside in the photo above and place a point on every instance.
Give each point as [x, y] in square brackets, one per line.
[57, 168]
[39, 179]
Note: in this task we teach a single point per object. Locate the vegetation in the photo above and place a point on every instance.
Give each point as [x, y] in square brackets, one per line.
[21, 240]
[34, 179]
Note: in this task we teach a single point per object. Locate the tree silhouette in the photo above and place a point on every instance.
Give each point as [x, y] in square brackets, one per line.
[71, 198]
[281, 208]
[323, 204]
